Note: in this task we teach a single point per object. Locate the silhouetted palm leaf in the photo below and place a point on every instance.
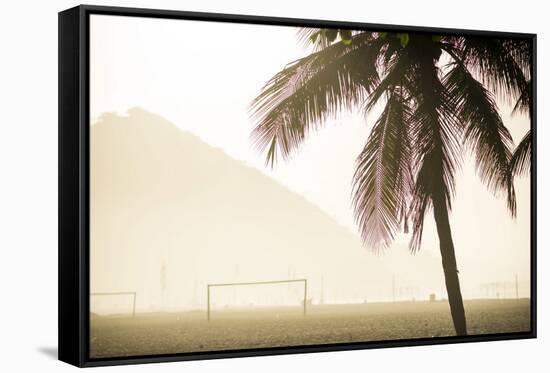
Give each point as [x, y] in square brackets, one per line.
[383, 181]
[303, 95]
[521, 159]
[520, 51]
[523, 104]
[313, 36]
[394, 74]
[321, 38]
[498, 63]
[485, 133]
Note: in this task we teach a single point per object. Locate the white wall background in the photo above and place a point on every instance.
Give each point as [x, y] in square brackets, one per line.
[28, 185]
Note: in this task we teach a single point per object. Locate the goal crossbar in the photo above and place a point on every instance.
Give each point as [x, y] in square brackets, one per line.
[209, 286]
[132, 293]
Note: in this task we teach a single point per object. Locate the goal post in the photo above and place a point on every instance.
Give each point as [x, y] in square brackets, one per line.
[210, 286]
[118, 293]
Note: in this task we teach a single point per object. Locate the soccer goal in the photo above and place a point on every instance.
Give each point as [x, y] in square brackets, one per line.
[115, 302]
[209, 288]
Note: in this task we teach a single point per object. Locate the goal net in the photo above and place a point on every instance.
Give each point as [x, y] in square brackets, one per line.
[116, 303]
[252, 296]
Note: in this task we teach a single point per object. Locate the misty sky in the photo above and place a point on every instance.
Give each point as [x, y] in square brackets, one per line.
[202, 77]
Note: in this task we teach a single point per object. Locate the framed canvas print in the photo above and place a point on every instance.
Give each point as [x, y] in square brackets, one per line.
[238, 186]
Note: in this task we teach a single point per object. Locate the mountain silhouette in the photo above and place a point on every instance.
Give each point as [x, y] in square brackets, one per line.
[163, 198]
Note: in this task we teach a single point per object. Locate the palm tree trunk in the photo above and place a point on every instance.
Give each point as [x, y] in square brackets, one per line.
[450, 270]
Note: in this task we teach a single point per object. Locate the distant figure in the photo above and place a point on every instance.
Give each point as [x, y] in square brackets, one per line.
[432, 297]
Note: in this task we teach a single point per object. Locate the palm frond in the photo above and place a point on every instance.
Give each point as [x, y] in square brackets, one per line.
[521, 159]
[394, 74]
[485, 134]
[304, 94]
[320, 38]
[388, 52]
[521, 51]
[382, 181]
[313, 36]
[498, 65]
[523, 104]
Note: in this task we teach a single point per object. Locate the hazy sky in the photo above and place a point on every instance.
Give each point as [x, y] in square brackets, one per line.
[202, 77]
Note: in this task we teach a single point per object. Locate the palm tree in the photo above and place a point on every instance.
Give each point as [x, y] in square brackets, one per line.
[439, 95]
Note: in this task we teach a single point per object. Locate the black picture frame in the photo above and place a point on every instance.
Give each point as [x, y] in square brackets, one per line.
[74, 186]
